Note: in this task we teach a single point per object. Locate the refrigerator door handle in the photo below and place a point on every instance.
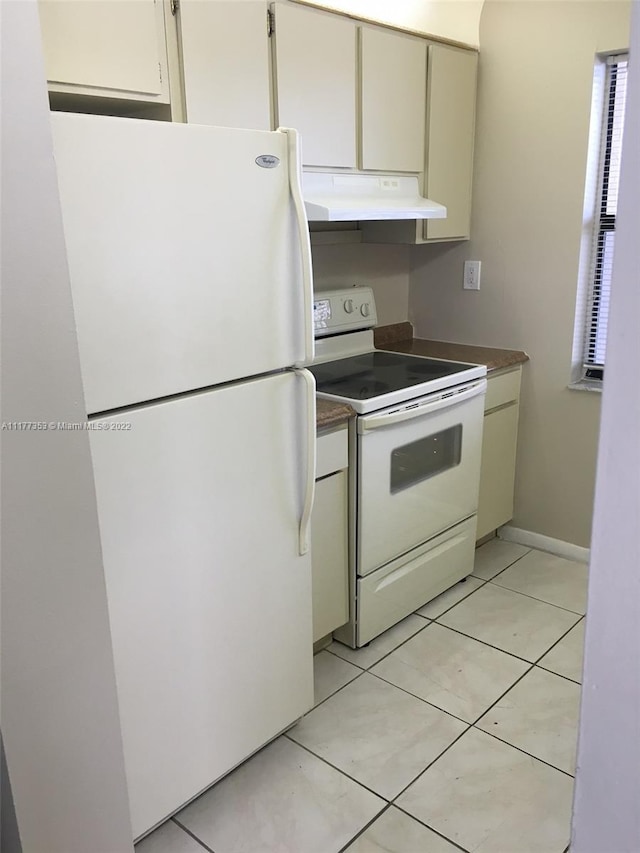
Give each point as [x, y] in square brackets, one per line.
[305, 519]
[295, 184]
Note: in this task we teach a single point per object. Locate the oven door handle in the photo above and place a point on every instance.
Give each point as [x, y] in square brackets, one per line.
[370, 422]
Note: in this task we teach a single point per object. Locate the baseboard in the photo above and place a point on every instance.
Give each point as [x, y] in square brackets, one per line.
[544, 543]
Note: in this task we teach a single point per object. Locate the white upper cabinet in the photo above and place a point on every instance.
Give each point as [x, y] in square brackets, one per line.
[315, 61]
[110, 48]
[225, 52]
[448, 165]
[451, 99]
[393, 85]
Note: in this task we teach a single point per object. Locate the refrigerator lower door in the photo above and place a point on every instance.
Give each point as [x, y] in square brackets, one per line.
[186, 254]
[199, 502]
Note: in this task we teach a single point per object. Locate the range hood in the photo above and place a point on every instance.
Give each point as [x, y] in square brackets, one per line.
[339, 197]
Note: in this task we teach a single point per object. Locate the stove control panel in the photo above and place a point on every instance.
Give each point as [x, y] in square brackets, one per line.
[348, 310]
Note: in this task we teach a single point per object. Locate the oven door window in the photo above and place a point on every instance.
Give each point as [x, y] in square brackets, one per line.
[419, 460]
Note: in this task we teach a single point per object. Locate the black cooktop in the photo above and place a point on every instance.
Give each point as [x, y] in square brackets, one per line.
[362, 377]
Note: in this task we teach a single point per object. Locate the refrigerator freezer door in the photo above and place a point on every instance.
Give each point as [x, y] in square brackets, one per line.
[184, 255]
[199, 501]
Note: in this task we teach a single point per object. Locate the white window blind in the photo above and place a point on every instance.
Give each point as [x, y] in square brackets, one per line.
[597, 315]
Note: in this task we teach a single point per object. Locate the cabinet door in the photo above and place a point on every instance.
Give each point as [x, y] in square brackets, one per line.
[225, 52]
[112, 48]
[315, 63]
[393, 92]
[329, 555]
[451, 99]
[497, 472]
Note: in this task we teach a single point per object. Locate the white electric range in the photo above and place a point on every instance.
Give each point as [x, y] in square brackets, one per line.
[414, 451]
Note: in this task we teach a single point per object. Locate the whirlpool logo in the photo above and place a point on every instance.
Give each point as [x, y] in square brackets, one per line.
[268, 161]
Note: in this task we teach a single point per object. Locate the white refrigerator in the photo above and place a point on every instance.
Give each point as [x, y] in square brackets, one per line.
[190, 269]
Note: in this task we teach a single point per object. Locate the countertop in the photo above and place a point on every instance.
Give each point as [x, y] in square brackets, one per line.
[399, 338]
[330, 414]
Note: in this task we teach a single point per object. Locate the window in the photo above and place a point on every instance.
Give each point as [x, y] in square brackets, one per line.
[597, 313]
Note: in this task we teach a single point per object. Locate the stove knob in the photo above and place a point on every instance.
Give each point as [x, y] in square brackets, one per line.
[348, 306]
[365, 310]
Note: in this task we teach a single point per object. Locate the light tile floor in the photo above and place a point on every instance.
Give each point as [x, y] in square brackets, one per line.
[454, 730]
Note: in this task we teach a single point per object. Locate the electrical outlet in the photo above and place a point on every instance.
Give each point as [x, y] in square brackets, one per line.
[471, 280]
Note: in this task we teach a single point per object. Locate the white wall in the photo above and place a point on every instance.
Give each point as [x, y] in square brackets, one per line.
[607, 794]
[384, 268]
[455, 20]
[60, 721]
[534, 99]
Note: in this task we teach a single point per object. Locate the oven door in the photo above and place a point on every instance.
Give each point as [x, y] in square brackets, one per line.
[418, 472]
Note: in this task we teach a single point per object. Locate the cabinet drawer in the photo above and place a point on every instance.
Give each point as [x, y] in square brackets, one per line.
[332, 452]
[502, 388]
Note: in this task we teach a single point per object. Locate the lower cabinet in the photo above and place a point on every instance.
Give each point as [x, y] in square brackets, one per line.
[499, 440]
[329, 537]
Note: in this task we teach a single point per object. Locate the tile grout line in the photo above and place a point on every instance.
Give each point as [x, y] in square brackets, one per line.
[500, 571]
[426, 701]
[559, 674]
[455, 604]
[195, 837]
[524, 752]
[541, 600]
[344, 659]
[364, 828]
[495, 648]
[431, 763]
[338, 770]
[326, 698]
[426, 825]
[582, 618]
[394, 649]
[533, 598]
[559, 640]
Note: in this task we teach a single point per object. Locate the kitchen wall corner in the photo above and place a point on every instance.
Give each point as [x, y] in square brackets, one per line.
[534, 101]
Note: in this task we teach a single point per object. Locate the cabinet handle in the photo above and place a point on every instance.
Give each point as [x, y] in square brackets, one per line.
[500, 407]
